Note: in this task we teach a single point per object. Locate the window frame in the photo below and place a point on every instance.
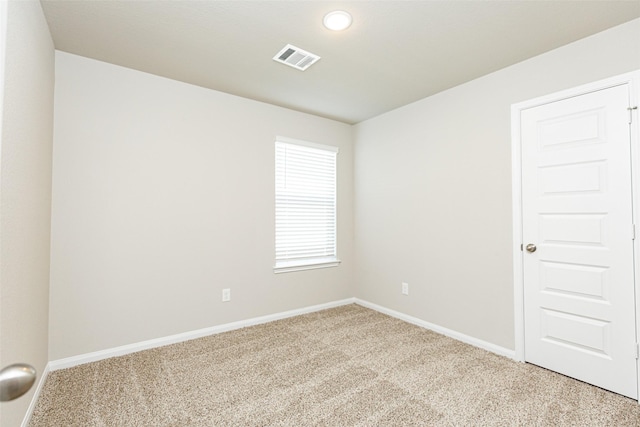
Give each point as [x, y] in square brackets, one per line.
[289, 265]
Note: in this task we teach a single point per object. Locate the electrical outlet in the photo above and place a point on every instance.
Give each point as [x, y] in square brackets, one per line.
[226, 295]
[405, 288]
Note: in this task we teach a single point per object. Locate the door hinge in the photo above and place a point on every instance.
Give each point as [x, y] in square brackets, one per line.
[521, 247]
[630, 110]
[633, 232]
[637, 351]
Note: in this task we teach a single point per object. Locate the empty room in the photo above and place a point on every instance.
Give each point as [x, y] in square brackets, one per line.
[319, 213]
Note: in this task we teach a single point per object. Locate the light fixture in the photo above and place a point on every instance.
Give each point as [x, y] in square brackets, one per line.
[337, 20]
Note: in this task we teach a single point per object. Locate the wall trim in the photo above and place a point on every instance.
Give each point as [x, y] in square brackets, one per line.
[81, 359]
[95, 356]
[485, 345]
[36, 396]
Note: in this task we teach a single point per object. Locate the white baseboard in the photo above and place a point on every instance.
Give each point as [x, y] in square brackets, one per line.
[81, 359]
[36, 396]
[172, 339]
[70, 362]
[441, 330]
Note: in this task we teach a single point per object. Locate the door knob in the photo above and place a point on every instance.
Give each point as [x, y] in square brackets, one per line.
[531, 247]
[16, 380]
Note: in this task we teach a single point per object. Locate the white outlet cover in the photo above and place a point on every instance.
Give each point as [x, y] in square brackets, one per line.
[226, 295]
[405, 288]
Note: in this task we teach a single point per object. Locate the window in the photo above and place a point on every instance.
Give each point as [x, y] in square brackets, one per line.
[305, 205]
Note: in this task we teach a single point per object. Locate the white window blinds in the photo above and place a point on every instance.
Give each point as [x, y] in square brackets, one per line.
[305, 205]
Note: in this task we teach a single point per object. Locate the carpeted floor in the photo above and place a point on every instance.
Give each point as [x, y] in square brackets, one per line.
[348, 366]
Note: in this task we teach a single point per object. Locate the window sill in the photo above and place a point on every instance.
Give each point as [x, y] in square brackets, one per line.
[286, 267]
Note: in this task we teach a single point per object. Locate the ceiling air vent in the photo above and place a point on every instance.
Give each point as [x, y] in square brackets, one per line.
[296, 57]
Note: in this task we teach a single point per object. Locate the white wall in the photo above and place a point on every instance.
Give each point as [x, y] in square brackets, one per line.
[433, 189]
[163, 195]
[25, 194]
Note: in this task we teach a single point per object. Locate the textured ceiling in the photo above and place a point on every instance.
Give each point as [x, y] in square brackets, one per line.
[395, 52]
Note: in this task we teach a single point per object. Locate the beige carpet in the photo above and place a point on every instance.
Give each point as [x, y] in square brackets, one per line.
[348, 366]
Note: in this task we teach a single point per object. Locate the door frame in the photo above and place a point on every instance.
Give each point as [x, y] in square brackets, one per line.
[633, 80]
[3, 42]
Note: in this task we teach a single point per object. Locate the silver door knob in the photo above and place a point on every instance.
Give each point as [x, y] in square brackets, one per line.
[16, 380]
[531, 247]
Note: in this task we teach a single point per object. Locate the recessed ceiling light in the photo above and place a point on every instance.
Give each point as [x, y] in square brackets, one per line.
[337, 20]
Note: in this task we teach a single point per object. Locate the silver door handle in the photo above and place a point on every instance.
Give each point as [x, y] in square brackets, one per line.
[16, 380]
[531, 247]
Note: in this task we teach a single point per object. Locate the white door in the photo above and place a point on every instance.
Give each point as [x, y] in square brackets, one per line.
[579, 300]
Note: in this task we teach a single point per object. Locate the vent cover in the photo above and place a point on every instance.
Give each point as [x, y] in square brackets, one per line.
[296, 57]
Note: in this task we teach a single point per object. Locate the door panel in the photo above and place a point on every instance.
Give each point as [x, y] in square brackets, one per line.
[584, 281]
[579, 304]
